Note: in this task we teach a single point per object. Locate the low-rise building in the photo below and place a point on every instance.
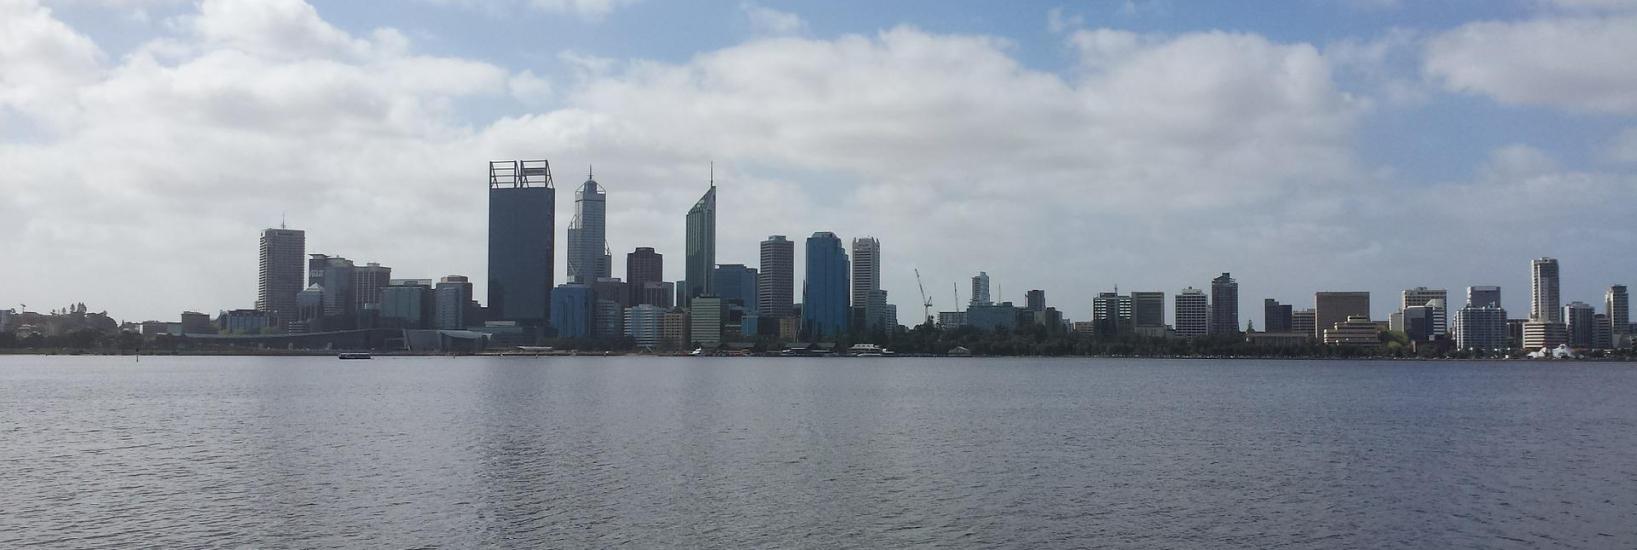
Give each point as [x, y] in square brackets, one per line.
[1356, 331]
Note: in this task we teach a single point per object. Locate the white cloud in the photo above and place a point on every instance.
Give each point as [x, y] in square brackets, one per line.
[769, 21]
[586, 9]
[42, 62]
[1622, 148]
[1579, 64]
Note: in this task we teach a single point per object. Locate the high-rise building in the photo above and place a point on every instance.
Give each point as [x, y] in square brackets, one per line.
[334, 275]
[279, 277]
[643, 266]
[644, 323]
[1111, 313]
[613, 290]
[673, 329]
[193, 322]
[1581, 321]
[824, 306]
[1617, 305]
[1193, 313]
[1335, 307]
[452, 298]
[1276, 317]
[980, 289]
[1304, 321]
[1481, 328]
[1423, 296]
[1543, 288]
[662, 294]
[701, 247]
[866, 263]
[1147, 309]
[368, 281]
[705, 321]
[573, 307]
[1224, 305]
[1602, 332]
[588, 257]
[736, 284]
[776, 284]
[1539, 335]
[1483, 296]
[407, 304]
[522, 233]
[1418, 322]
[1035, 300]
[607, 318]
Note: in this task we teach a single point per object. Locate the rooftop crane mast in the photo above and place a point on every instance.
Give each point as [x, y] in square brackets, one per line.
[926, 303]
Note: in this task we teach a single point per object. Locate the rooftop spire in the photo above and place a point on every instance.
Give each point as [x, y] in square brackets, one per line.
[588, 172]
[713, 173]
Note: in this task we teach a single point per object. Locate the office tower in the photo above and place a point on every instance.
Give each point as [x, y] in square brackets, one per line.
[705, 320]
[866, 263]
[1276, 317]
[775, 285]
[1111, 313]
[980, 289]
[607, 318]
[613, 290]
[452, 298]
[522, 229]
[1617, 305]
[1481, 328]
[1418, 322]
[367, 283]
[644, 323]
[736, 284]
[1543, 288]
[1421, 296]
[309, 311]
[643, 266]
[588, 258]
[662, 294]
[1147, 309]
[279, 277]
[1483, 296]
[1304, 322]
[1335, 307]
[1193, 313]
[824, 308]
[1224, 305]
[193, 322]
[334, 276]
[1581, 321]
[407, 304]
[701, 247]
[673, 329]
[1035, 300]
[1538, 335]
[572, 308]
[1602, 332]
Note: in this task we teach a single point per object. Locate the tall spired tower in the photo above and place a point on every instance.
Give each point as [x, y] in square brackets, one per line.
[588, 255]
[701, 245]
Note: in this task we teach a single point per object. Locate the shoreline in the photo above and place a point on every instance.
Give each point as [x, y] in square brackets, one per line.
[683, 355]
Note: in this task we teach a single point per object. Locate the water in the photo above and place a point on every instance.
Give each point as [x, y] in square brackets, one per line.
[593, 452]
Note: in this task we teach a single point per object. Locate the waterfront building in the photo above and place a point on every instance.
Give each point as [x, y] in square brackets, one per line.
[614, 290]
[1002, 316]
[588, 255]
[452, 299]
[824, 309]
[1111, 313]
[1276, 317]
[193, 322]
[700, 255]
[1417, 323]
[705, 321]
[522, 233]
[1224, 305]
[1481, 328]
[644, 323]
[1305, 321]
[249, 321]
[1355, 331]
[1580, 322]
[1035, 300]
[335, 275]
[1602, 332]
[1483, 296]
[1514, 332]
[643, 266]
[1193, 313]
[658, 293]
[789, 328]
[980, 289]
[673, 329]
[1336, 307]
[776, 283]
[607, 318]
[1538, 335]
[878, 314]
[736, 284]
[951, 320]
[1423, 296]
[368, 281]
[1147, 309]
[866, 269]
[309, 311]
[1543, 291]
[573, 306]
[279, 276]
[407, 304]
[1617, 305]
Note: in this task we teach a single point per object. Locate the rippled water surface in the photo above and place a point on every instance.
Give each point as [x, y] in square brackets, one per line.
[595, 452]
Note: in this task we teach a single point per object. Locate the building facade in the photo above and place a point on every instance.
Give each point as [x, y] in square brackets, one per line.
[824, 309]
[1276, 317]
[705, 319]
[522, 237]
[1543, 291]
[700, 253]
[644, 323]
[1580, 322]
[643, 266]
[1305, 321]
[1617, 305]
[1224, 305]
[1193, 313]
[279, 276]
[588, 257]
[1423, 296]
[573, 306]
[776, 283]
[1481, 328]
[980, 289]
[452, 298]
[1483, 296]
[1336, 307]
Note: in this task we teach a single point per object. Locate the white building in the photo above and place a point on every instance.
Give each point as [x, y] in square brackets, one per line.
[644, 323]
[1193, 313]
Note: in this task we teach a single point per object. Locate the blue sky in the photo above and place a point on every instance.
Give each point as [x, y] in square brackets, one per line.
[1071, 146]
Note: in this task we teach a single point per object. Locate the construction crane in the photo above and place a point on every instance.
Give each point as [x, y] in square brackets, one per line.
[926, 303]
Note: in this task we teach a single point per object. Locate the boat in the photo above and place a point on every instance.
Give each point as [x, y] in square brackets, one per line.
[353, 355]
[865, 350]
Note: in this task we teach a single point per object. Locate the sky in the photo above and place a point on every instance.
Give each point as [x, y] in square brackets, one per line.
[1073, 147]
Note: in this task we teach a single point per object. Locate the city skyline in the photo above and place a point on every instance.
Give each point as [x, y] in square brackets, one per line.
[394, 187]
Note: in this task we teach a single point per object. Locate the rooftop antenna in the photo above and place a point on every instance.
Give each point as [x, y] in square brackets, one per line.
[713, 173]
[588, 172]
[282, 214]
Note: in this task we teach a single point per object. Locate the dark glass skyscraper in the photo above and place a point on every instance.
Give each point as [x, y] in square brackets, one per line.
[824, 310]
[776, 285]
[701, 246]
[1224, 305]
[522, 212]
[282, 253]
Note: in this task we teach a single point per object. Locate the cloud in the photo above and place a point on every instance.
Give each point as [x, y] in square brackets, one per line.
[768, 21]
[1622, 148]
[586, 9]
[44, 62]
[1578, 64]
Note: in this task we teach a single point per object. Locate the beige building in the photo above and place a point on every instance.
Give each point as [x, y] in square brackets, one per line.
[1356, 330]
[1338, 307]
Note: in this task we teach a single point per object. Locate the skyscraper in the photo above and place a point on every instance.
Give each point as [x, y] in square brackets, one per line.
[1423, 296]
[1480, 327]
[701, 246]
[1276, 317]
[451, 302]
[1193, 313]
[334, 275]
[1304, 321]
[1543, 288]
[279, 277]
[588, 258]
[1483, 296]
[776, 284]
[1035, 300]
[1335, 307]
[522, 229]
[367, 283]
[866, 269]
[980, 289]
[736, 285]
[643, 266]
[1224, 305]
[824, 308]
[1581, 324]
[573, 308]
[1617, 305]
[1147, 309]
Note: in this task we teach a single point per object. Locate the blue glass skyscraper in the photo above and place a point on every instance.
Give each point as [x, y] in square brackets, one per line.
[522, 212]
[824, 309]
